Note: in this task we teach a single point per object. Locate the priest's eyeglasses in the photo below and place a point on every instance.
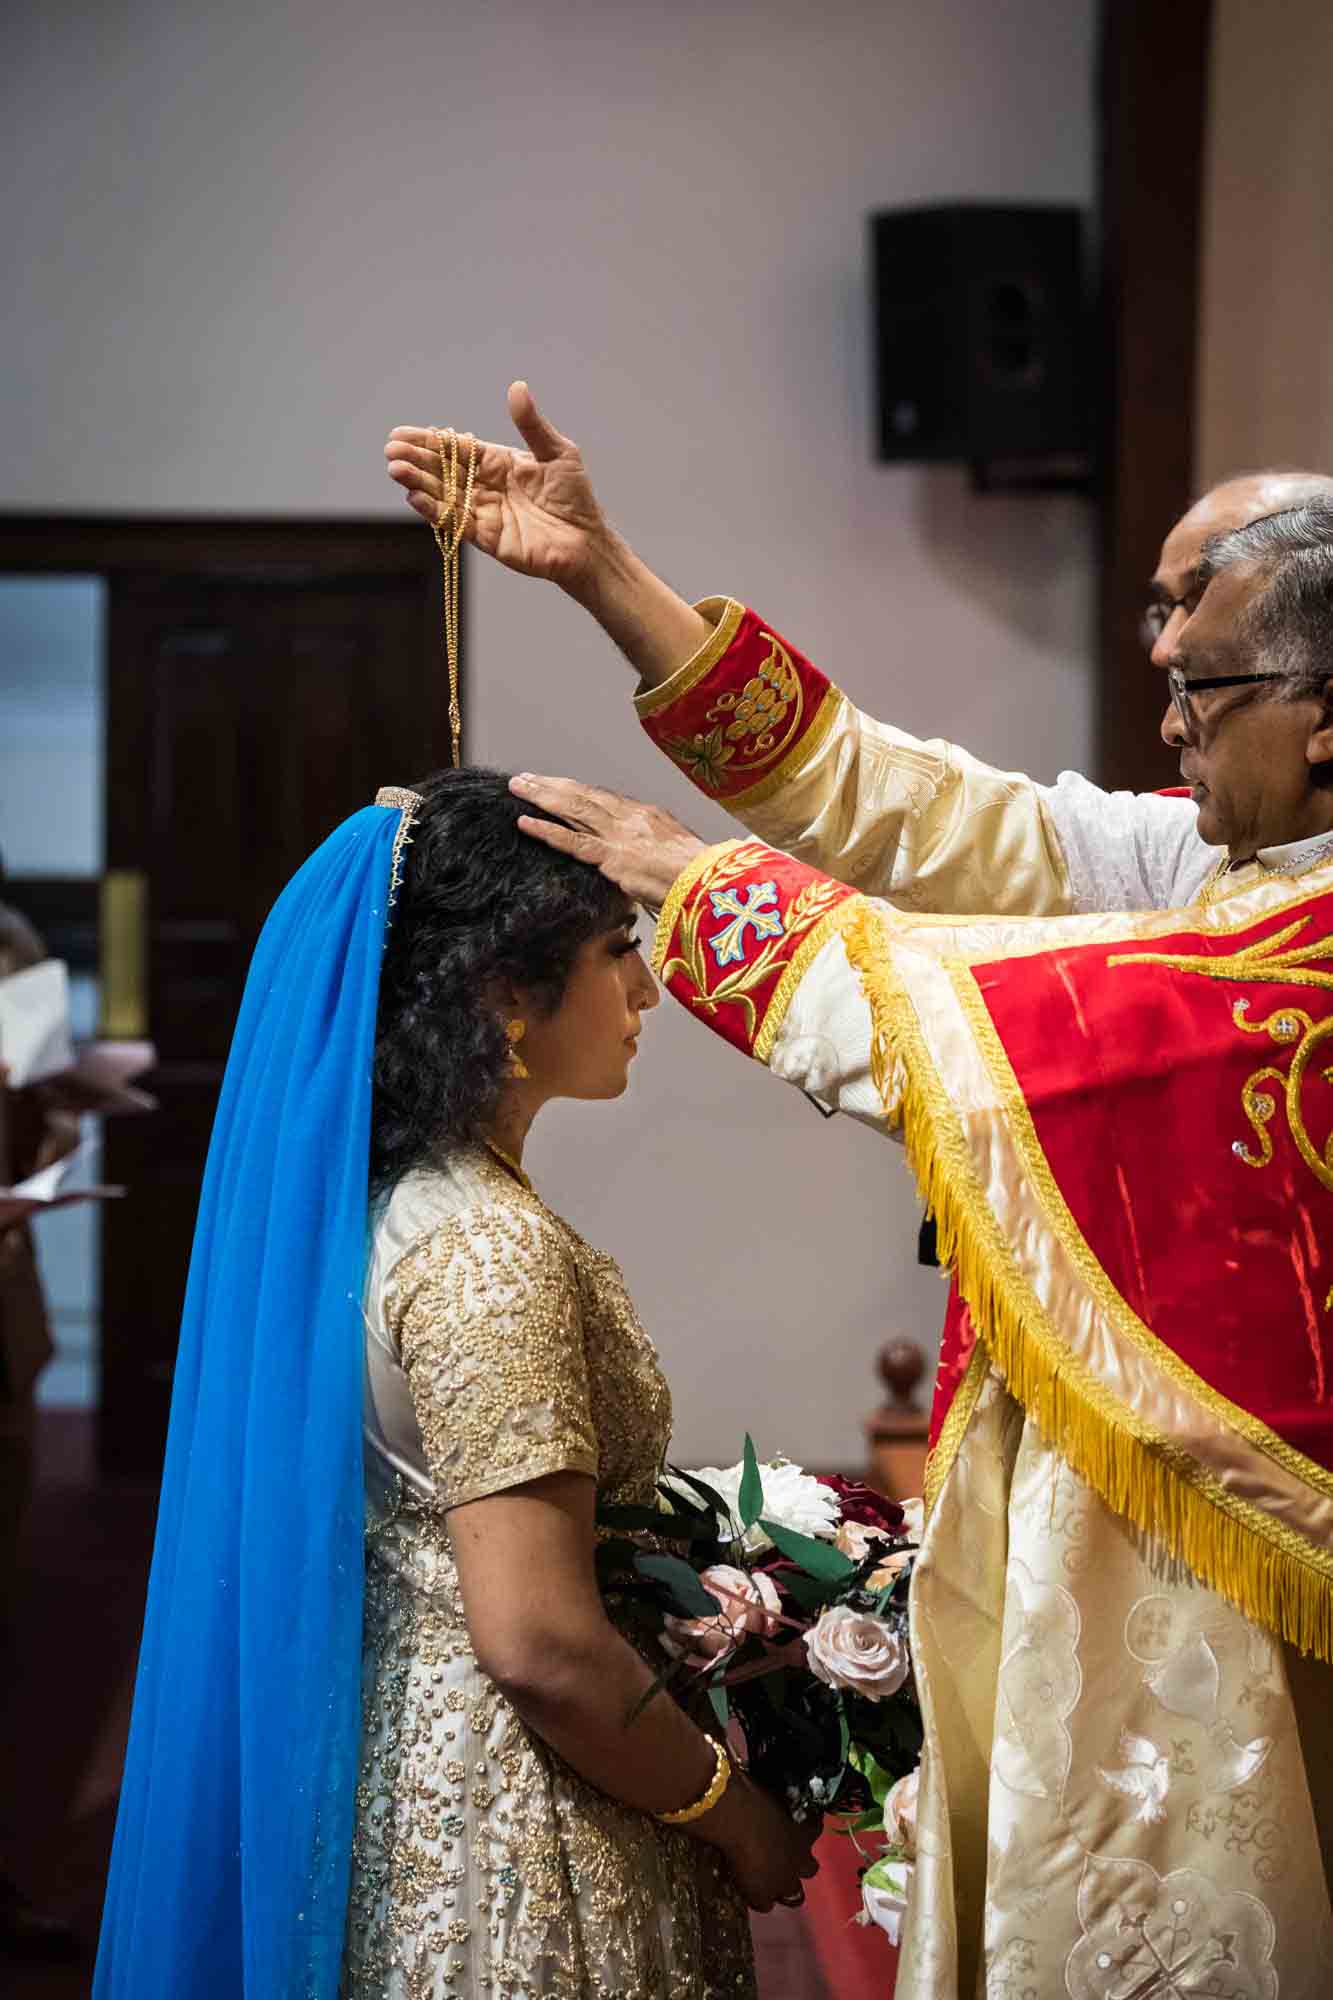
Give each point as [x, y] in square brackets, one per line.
[1182, 689]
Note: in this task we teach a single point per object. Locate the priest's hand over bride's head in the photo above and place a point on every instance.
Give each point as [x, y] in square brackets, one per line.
[641, 848]
[534, 510]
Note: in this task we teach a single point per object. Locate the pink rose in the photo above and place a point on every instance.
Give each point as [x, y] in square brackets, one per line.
[900, 1813]
[892, 1566]
[857, 1538]
[747, 1602]
[853, 1650]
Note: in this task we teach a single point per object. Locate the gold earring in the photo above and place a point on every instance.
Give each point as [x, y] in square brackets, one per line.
[514, 1033]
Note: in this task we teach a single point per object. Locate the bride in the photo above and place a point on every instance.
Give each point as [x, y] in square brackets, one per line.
[469, 1810]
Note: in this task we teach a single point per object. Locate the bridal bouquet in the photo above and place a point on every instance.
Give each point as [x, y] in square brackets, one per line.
[780, 1599]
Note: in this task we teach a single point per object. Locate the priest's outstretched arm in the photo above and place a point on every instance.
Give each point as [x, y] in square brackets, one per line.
[760, 730]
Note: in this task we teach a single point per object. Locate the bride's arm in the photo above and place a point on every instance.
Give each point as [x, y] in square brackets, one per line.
[487, 1317]
[540, 1633]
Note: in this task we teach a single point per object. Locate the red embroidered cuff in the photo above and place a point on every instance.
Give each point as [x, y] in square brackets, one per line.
[737, 934]
[744, 715]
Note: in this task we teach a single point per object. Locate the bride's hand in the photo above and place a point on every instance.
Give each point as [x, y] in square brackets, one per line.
[534, 510]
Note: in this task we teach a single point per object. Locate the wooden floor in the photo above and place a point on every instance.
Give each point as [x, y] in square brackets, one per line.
[68, 1670]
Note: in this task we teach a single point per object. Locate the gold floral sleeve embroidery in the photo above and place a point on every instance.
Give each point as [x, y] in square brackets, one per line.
[486, 1315]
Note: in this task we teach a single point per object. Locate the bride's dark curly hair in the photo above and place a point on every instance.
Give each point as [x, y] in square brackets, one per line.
[479, 904]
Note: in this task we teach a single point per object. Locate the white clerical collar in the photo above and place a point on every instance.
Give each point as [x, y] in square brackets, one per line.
[1295, 856]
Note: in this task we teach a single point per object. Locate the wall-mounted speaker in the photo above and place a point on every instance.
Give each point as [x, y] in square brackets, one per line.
[980, 333]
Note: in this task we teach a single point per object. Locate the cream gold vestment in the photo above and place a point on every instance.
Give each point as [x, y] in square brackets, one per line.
[1116, 1797]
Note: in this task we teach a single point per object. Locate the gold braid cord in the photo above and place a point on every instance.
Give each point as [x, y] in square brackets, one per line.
[449, 529]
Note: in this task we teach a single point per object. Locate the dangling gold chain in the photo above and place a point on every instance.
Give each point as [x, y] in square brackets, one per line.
[449, 530]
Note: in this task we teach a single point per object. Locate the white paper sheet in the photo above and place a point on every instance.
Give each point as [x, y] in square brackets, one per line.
[47, 1189]
[34, 1023]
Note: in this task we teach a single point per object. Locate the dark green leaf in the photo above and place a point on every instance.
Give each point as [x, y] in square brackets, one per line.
[687, 1592]
[878, 1779]
[809, 1593]
[612, 1556]
[775, 1686]
[819, 1559]
[686, 1526]
[708, 1494]
[751, 1498]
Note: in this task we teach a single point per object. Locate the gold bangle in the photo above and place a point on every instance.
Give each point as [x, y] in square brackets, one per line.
[717, 1784]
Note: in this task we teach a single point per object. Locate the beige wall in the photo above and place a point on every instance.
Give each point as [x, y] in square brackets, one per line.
[1266, 325]
[246, 239]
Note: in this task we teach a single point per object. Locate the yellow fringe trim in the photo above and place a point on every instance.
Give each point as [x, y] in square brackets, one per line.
[940, 1458]
[1270, 1572]
[794, 972]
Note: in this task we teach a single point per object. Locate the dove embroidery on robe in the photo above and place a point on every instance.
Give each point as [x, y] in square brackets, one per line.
[1145, 1777]
[1237, 1762]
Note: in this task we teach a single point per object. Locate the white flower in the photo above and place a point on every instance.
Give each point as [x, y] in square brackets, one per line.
[850, 1649]
[885, 1890]
[914, 1520]
[792, 1498]
[900, 1813]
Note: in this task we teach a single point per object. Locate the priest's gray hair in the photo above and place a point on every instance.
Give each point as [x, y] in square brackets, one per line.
[1291, 620]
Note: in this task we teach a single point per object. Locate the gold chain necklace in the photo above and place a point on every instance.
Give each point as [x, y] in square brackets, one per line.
[1227, 879]
[508, 1160]
[1213, 886]
[449, 530]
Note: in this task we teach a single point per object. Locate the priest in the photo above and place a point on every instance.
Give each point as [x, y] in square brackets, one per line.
[1107, 1049]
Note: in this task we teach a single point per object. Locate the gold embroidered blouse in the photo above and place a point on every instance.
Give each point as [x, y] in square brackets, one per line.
[501, 1347]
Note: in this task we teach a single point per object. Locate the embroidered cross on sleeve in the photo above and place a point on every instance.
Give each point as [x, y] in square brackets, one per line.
[737, 931]
[728, 946]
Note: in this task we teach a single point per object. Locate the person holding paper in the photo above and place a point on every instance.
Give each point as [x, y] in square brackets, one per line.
[32, 1136]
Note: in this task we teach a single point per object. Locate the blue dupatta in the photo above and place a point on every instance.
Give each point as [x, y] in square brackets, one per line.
[230, 1867]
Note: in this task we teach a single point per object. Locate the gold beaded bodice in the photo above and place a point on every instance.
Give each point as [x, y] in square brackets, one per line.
[501, 1347]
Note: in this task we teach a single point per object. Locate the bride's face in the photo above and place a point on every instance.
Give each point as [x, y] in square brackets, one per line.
[586, 1047]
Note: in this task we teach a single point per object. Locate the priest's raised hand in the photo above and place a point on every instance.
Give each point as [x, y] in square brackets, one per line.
[535, 511]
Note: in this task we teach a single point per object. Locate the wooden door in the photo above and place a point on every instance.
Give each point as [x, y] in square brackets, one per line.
[251, 705]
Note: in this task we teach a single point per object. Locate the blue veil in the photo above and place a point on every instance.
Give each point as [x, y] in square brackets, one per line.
[230, 1867]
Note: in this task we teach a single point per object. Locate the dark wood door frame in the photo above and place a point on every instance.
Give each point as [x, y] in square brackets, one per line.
[274, 547]
[269, 547]
[1153, 91]
[243, 659]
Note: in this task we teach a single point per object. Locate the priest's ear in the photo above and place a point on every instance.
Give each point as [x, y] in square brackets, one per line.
[1319, 746]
